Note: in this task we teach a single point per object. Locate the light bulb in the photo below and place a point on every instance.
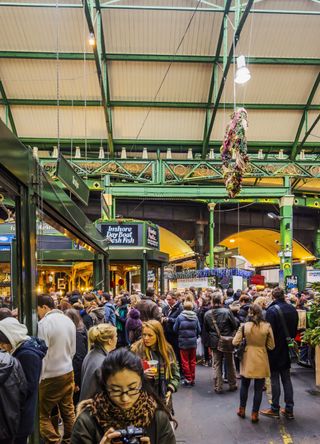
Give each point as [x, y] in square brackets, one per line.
[55, 152]
[169, 154]
[35, 152]
[145, 153]
[190, 154]
[123, 153]
[101, 153]
[92, 40]
[243, 73]
[78, 153]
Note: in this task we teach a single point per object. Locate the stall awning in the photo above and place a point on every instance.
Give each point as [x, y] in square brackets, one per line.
[174, 246]
[261, 247]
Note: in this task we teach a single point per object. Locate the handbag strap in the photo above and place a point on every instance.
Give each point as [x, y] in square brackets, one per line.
[216, 326]
[283, 321]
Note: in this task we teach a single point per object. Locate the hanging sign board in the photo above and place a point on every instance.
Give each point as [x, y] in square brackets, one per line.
[313, 276]
[152, 236]
[291, 282]
[192, 282]
[72, 180]
[126, 235]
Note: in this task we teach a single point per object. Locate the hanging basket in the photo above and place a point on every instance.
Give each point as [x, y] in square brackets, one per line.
[234, 152]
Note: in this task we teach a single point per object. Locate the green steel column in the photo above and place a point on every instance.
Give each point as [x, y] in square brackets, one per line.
[317, 246]
[211, 207]
[286, 235]
[162, 278]
[98, 272]
[144, 274]
[106, 273]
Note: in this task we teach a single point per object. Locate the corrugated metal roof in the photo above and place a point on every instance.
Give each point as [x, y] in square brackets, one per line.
[271, 35]
[36, 29]
[161, 124]
[315, 135]
[274, 84]
[38, 121]
[32, 79]
[3, 113]
[142, 80]
[160, 32]
[263, 125]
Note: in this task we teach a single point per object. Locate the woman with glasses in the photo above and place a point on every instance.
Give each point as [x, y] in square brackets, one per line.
[159, 360]
[126, 400]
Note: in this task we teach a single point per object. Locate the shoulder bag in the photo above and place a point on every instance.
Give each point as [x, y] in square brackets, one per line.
[240, 349]
[291, 343]
[225, 342]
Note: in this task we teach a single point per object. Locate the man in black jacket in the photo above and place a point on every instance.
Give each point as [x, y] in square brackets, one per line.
[170, 312]
[279, 357]
[227, 325]
[148, 308]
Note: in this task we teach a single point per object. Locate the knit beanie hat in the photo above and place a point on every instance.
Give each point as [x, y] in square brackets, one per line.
[14, 331]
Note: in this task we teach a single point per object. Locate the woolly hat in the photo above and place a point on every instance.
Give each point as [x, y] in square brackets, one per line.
[134, 313]
[14, 331]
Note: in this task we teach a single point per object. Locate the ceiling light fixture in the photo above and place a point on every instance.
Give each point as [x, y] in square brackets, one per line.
[78, 153]
[92, 40]
[55, 152]
[35, 152]
[145, 153]
[169, 154]
[211, 154]
[101, 153]
[190, 154]
[243, 73]
[280, 155]
[260, 154]
[123, 153]
[274, 216]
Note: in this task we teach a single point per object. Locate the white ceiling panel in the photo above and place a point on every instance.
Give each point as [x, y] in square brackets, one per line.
[282, 35]
[161, 124]
[43, 29]
[315, 134]
[3, 113]
[144, 81]
[274, 84]
[75, 123]
[263, 125]
[161, 32]
[34, 79]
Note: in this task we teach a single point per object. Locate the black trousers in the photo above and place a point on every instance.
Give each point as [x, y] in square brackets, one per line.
[258, 391]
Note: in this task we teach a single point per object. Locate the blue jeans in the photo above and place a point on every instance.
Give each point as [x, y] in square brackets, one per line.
[258, 390]
[276, 390]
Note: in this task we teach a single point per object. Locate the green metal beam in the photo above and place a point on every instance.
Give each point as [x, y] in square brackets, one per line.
[303, 117]
[307, 134]
[7, 105]
[123, 57]
[107, 5]
[100, 65]
[214, 73]
[153, 104]
[190, 192]
[206, 138]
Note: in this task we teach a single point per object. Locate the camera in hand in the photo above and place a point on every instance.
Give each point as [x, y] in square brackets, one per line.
[130, 435]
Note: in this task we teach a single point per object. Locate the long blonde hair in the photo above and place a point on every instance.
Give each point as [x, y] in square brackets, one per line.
[100, 334]
[165, 349]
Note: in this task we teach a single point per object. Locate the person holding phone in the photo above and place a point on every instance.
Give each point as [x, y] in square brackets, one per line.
[126, 400]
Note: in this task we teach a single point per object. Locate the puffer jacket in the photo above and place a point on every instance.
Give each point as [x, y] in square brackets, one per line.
[188, 329]
[13, 391]
[30, 355]
[97, 315]
[86, 429]
[226, 322]
[110, 313]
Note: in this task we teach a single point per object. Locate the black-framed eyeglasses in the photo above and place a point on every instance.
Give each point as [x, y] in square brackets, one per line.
[119, 393]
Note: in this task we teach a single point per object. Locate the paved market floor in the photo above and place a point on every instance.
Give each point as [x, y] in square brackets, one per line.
[205, 417]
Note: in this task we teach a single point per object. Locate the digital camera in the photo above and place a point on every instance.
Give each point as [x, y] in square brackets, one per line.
[130, 435]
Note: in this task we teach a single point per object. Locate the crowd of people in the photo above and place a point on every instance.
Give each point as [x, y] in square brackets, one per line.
[104, 367]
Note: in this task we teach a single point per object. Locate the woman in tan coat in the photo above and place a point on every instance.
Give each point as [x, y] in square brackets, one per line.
[255, 364]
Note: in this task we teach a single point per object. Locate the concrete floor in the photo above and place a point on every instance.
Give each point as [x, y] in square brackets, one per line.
[205, 417]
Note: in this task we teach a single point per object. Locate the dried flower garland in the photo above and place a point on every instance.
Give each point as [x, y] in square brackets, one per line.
[234, 152]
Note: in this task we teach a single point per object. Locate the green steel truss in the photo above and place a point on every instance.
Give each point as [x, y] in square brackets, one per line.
[94, 16]
[5, 102]
[158, 104]
[108, 5]
[177, 58]
[173, 172]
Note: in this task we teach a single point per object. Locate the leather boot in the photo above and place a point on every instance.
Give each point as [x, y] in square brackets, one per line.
[241, 412]
[254, 417]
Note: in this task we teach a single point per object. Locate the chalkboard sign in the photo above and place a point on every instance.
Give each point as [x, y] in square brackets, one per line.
[152, 236]
[126, 235]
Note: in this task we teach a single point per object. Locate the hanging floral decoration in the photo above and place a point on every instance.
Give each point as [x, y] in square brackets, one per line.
[213, 272]
[234, 152]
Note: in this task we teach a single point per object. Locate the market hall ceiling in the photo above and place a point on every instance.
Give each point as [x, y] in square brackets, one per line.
[159, 60]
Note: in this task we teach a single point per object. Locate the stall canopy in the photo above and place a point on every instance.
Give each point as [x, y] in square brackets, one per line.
[261, 247]
[174, 246]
